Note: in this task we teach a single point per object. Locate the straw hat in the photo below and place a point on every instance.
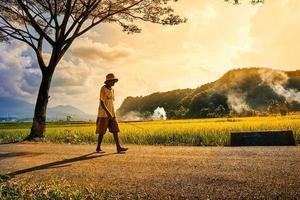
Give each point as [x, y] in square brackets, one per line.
[111, 77]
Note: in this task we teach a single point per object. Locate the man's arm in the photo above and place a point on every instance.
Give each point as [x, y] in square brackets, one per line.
[106, 110]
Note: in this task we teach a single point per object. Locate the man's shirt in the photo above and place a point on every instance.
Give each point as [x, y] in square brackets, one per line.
[107, 96]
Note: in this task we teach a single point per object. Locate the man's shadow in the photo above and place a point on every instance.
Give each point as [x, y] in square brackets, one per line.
[58, 164]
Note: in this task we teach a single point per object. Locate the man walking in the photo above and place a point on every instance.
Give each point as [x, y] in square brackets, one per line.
[106, 113]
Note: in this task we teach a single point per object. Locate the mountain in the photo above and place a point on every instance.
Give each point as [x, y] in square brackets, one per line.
[62, 111]
[243, 91]
[20, 110]
[10, 107]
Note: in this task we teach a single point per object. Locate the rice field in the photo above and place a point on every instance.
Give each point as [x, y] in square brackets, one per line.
[195, 132]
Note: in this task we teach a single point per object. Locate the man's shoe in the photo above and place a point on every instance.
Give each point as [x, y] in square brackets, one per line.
[121, 149]
[98, 150]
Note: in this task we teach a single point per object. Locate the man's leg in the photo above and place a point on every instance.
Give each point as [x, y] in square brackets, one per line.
[114, 129]
[100, 138]
[116, 137]
[119, 148]
[102, 124]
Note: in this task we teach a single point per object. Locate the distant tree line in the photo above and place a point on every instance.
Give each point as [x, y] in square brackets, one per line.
[211, 100]
[202, 106]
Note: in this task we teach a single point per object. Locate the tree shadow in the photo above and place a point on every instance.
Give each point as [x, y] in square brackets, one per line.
[59, 164]
[6, 143]
[16, 154]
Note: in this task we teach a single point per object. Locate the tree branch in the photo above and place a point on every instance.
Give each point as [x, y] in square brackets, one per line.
[34, 24]
[107, 16]
[66, 18]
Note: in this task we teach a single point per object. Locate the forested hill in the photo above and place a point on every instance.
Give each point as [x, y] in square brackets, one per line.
[245, 91]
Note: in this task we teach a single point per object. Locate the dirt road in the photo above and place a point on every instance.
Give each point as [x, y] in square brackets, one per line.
[163, 172]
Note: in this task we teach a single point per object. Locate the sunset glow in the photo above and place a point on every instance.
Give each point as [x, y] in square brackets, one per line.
[217, 37]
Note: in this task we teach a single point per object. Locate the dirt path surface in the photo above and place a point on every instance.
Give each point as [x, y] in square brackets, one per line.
[163, 172]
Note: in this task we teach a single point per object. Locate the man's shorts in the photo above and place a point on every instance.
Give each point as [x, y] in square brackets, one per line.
[103, 123]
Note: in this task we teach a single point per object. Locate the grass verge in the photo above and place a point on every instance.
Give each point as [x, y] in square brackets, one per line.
[197, 132]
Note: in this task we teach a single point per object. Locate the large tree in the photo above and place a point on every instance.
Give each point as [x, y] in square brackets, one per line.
[51, 26]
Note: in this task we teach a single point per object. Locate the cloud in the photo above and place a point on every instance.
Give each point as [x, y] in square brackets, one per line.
[30, 81]
[14, 81]
[89, 50]
[274, 32]
[70, 74]
[20, 76]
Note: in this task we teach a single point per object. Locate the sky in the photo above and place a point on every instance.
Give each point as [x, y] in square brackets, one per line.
[218, 37]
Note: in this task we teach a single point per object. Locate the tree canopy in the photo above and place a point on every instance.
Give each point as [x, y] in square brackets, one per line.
[59, 22]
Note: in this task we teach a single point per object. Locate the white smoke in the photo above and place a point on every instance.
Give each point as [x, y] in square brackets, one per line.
[132, 116]
[159, 114]
[237, 102]
[277, 79]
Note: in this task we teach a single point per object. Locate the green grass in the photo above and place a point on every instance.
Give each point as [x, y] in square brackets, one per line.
[196, 132]
[55, 188]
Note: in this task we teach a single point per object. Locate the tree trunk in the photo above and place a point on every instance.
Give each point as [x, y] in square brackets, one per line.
[39, 119]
